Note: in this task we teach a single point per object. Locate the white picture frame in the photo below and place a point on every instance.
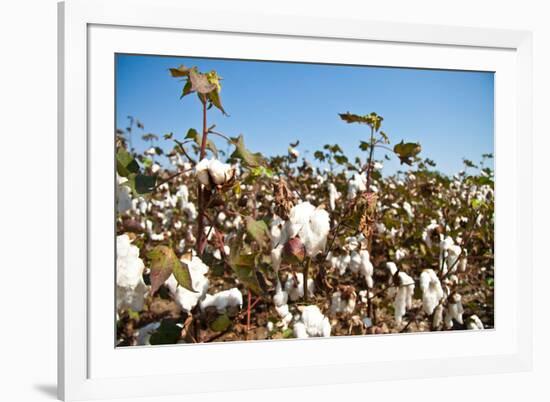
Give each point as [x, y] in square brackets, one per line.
[91, 32]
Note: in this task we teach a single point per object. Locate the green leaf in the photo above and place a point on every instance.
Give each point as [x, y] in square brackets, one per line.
[125, 163]
[288, 333]
[244, 267]
[195, 136]
[407, 151]
[221, 323]
[261, 171]
[341, 159]
[147, 162]
[183, 276]
[181, 71]
[319, 156]
[186, 89]
[163, 260]
[364, 146]
[354, 118]
[250, 159]
[143, 184]
[385, 138]
[167, 334]
[214, 97]
[373, 120]
[237, 188]
[258, 231]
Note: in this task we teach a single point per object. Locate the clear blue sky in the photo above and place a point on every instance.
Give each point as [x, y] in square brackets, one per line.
[449, 112]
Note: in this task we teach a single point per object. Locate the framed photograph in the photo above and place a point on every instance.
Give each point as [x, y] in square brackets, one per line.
[287, 200]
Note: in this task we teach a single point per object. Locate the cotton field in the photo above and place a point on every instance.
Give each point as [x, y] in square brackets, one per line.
[219, 246]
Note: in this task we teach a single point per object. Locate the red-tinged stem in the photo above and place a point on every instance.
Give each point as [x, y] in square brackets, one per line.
[200, 227]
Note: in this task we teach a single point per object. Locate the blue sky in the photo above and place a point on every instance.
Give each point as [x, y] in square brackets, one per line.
[272, 104]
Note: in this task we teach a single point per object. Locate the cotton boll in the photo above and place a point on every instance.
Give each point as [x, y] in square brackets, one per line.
[277, 232]
[448, 252]
[284, 314]
[391, 267]
[475, 323]
[352, 243]
[156, 236]
[463, 263]
[355, 262]
[311, 225]
[357, 184]
[144, 333]
[281, 297]
[276, 257]
[432, 292]
[318, 231]
[183, 194]
[186, 299]
[201, 170]
[293, 152]
[403, 297]
[131, 288]
[345, 261]
[219, 172]
[218, 255]
[299, 218]
[366, 269]
[454, 311]
[123, 195]
[333, 196]
[400, 253]
[340, 305]
[316, 324]
[222, 300]
[295, 287]
[453, 254]
[190, 210]
[408, 209]
[300, 330]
